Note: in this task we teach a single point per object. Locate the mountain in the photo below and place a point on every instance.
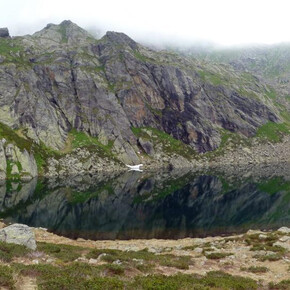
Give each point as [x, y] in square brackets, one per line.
[68, 100]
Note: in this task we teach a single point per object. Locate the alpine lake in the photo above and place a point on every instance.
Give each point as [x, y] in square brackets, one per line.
[144, 205]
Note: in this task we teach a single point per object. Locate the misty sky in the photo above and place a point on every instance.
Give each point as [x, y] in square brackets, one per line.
[225, 22]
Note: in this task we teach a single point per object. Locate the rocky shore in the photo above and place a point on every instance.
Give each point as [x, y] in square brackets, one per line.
[262, 257]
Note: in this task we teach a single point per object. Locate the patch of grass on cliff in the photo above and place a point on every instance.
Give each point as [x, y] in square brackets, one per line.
[9, 174]
[271, 94]
[273, 132]
[213, 78]
[40, 151]
[7, 46]
[13, 52]
[142, 57]
[274, 185]
[169, 144]
[81, 139]
[12, 137]
[228, 138]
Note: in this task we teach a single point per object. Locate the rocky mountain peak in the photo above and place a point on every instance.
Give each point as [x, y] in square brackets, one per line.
[66, 32]
[121, 38]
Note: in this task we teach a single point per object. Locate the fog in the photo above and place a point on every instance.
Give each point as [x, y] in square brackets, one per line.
[183, 22]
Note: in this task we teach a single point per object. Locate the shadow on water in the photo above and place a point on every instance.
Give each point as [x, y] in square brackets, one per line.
[173, 204]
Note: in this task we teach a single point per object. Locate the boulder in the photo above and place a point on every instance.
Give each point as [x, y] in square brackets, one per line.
[18, 234]
[284, 230]
[147, 146]
[4, 32]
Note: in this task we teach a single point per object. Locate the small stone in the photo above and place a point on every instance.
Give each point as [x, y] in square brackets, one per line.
[35, 262]
[101, 256]
[117, 262]
[93, 261]
[198, 250]
[284, 239]
[158, 250]
[262, 236]
[138, 261]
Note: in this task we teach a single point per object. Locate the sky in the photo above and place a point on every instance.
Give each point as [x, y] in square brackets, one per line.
[221, 22]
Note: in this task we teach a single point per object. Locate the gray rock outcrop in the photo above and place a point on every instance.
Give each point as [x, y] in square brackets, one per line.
[3, 164]
[18, 234]
[4, 32]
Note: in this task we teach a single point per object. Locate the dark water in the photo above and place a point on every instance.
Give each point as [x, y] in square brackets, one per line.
[172, 204]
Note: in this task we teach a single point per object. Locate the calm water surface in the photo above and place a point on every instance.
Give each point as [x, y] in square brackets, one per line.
[174, 204]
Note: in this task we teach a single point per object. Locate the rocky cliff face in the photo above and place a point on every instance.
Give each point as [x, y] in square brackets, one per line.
[15, 163]
[61, 80]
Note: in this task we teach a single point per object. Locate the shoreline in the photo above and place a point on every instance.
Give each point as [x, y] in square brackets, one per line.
[241, 255]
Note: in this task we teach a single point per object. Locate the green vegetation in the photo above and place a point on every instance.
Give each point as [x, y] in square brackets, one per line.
[62, 31]
[133, 271]
[273, 131]
[10, 251]
[130, 258]
[142, 57]
[213, 78]
[213, 280]
[283, 285]
[82, 139]
[65, 253]
[255, 240]
[269, 257]
[169, 144]
[274, 185]
[14, 138]
[228, 139]
[75, 197]
[84, 276]
[8, 47]
[265, 247]
[6, 277]
[258, 243]
[217, 255]
[18, 138]
[255, 269]
[271, 94]
[12, 51]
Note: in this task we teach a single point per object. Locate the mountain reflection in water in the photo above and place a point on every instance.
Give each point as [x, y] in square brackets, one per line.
[174, 204]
